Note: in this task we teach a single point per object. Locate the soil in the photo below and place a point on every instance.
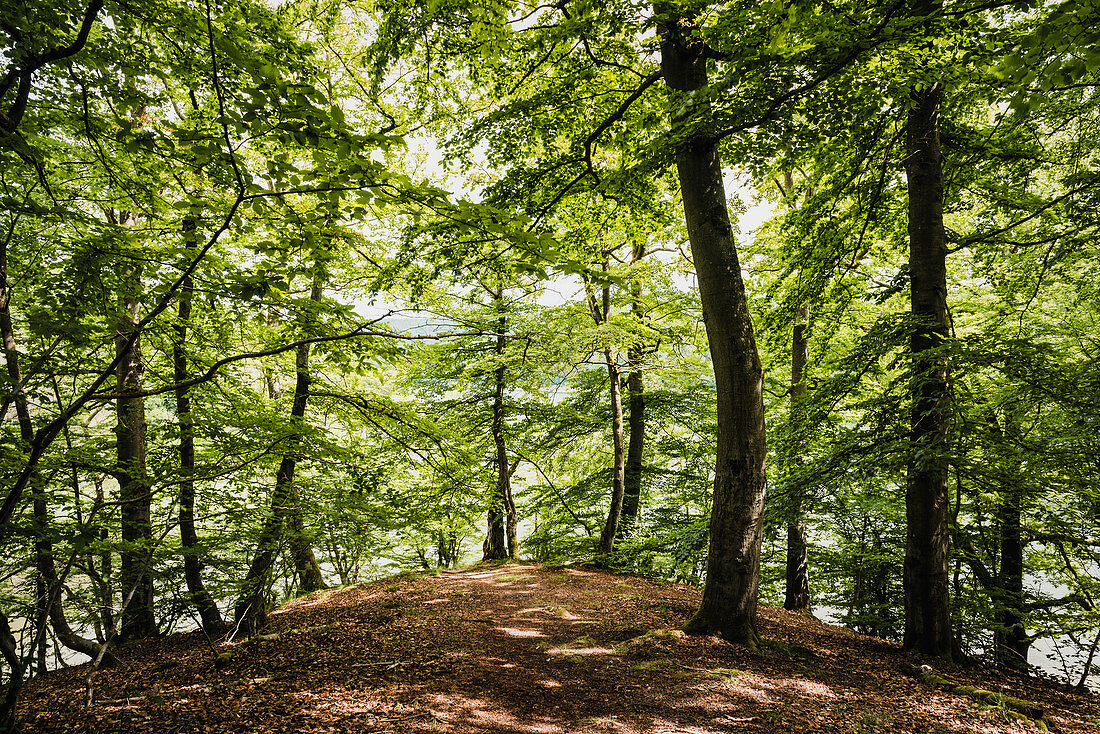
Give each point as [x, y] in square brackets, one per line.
[520, 648]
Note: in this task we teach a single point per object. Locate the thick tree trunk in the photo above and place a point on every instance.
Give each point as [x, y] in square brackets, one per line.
[204, 603]
[1010, 640]
[310, 578]
[250, 613]
[635, 400]
[927, 606]
[736, 522]
[797, 595]
[635, 447]
[135, 492]
[1014, 643]
[500, 541]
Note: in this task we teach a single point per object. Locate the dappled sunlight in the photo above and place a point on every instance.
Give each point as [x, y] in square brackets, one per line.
[808, 688]
[555, 612]
[466, 714]
[580, 651]
[517, 632]
[465, 654]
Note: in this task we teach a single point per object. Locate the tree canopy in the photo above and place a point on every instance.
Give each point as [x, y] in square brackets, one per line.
[795, 301]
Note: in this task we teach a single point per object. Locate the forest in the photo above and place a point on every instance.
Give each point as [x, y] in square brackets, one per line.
[794, 300]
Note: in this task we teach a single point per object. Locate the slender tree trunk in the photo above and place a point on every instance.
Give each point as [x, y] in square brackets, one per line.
[106, 571]
[135, 492]
[635, 448]
[51, 586]
[310, 578]
[601, 314]
[250, 614]
[927, 604]
[618, 477]
[737, 514]
[205, 605]
[797, 596]
[500, 541]
[49, 602]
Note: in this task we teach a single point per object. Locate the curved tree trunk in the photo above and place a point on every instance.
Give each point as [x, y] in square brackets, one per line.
[310, 578]
[736, 521]
[205, 605]
[250, 613]
[927, 606]
[48, 584]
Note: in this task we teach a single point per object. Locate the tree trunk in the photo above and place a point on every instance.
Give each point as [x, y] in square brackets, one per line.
[135, 492]
[250, 614]
[1011, 643]
[927, 605]
[797, 596]
[205, 605]
[736, 521]
[310, 578]
[611, 527]
[49, 605]
[601, 314]
[635, 448]
[500, 541]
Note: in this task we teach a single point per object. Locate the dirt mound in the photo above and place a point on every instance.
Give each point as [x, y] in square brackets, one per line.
[520, 648]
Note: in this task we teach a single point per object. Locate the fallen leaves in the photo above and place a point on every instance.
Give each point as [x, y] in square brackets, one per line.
[523, 649]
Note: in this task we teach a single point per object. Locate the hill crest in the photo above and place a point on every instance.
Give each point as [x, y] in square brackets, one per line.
[523, 648]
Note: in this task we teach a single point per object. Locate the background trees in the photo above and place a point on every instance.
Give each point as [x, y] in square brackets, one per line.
[374, 284]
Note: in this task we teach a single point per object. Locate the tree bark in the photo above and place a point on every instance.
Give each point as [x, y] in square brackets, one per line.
[48, 584]
[209, 615]
[635, 448]
[736, 522]
[601, 314]
[310, 578]
[927, 604]
[250, 613]
[611, 527]
[500, 541]
[1010, 640]
[797, 592]
[135, 492]
[1014, 643]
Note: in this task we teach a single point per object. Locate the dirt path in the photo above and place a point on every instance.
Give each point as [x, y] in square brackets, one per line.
[522, 649]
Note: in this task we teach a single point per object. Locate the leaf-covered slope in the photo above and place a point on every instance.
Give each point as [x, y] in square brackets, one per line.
[525, 649]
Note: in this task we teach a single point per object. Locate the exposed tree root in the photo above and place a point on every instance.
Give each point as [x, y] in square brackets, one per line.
[1015, 707]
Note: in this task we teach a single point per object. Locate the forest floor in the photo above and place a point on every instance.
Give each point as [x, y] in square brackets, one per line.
[520, 648]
